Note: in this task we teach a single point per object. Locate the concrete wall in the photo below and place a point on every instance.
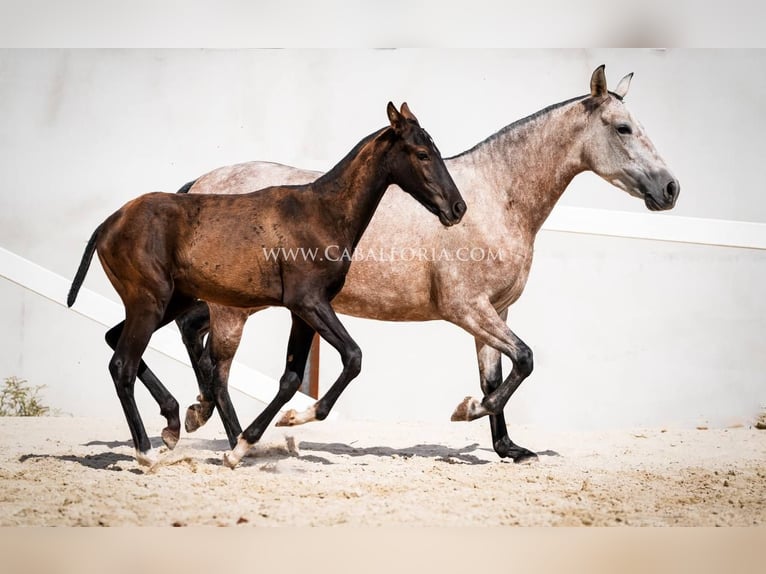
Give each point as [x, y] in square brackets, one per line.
[625, 332]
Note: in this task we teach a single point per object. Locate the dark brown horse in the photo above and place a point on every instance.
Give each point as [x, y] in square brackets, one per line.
[162, 252]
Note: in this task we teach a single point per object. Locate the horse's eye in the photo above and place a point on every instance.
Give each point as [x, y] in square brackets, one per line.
[624, 129]
[422, 156]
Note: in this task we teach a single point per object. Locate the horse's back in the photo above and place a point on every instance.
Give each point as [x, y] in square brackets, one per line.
[251, 176]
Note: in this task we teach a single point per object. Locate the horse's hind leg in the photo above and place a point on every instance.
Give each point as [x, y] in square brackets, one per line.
[226, 325]
[301, 335]
[194, 324]
[166, 401]
[132, 339]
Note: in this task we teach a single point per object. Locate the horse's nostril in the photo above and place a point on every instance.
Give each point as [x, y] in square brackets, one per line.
[459, 208]
[671, 189]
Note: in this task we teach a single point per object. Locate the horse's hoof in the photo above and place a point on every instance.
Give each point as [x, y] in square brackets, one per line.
[506, 448]
[148, 458]
[196, 416]
[525, 457]
[230, 460]
[170, 437]
[470, 409]
[288, 419]
[461, 412]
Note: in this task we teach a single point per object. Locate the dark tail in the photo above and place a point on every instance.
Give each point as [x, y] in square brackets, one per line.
[82, 271]
[186, 187]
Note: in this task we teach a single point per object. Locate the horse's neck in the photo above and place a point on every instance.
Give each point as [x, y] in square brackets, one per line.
[531, 163]
[352, 190]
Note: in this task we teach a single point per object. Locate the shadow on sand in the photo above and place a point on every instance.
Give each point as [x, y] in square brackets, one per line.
[438, 452]
[263, 454]
[100, 461]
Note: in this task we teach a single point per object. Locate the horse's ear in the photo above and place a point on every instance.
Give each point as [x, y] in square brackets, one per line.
[407, 113]
[396, 119]
[598, 83]
[622, 87]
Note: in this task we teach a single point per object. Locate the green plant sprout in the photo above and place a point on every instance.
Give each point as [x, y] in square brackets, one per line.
[19, 399]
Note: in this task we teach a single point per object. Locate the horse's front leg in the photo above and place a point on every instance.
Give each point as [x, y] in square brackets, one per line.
[493, 339]
[491, 376]
[298, 346]
[330, 328]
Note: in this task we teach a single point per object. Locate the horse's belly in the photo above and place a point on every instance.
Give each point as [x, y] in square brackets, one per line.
[246, 282]
[249, 292]
[386, 291]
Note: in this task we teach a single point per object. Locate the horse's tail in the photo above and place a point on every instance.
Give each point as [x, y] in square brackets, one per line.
[83, 269]
[186, 187]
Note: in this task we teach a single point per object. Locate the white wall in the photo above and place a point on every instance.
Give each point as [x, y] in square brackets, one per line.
[625, 332]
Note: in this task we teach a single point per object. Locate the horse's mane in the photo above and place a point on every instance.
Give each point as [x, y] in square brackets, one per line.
[349, 157]
[518, 123]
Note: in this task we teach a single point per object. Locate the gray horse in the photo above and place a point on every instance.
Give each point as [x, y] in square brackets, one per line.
[511, 182]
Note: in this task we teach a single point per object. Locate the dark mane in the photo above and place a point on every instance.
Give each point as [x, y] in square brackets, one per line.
[518, 123]
[341, 165]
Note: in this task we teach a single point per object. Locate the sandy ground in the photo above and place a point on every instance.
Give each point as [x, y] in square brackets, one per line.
[76, 471]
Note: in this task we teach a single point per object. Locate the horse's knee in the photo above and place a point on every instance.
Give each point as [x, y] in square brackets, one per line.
[289, 383]
[353, 363]
[523, 362]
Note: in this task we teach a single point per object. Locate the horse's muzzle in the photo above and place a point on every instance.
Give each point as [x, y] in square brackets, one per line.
[664, 195]
[458, 211]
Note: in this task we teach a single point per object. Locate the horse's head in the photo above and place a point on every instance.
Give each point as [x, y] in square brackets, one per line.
[418, 168]
[618, 149]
